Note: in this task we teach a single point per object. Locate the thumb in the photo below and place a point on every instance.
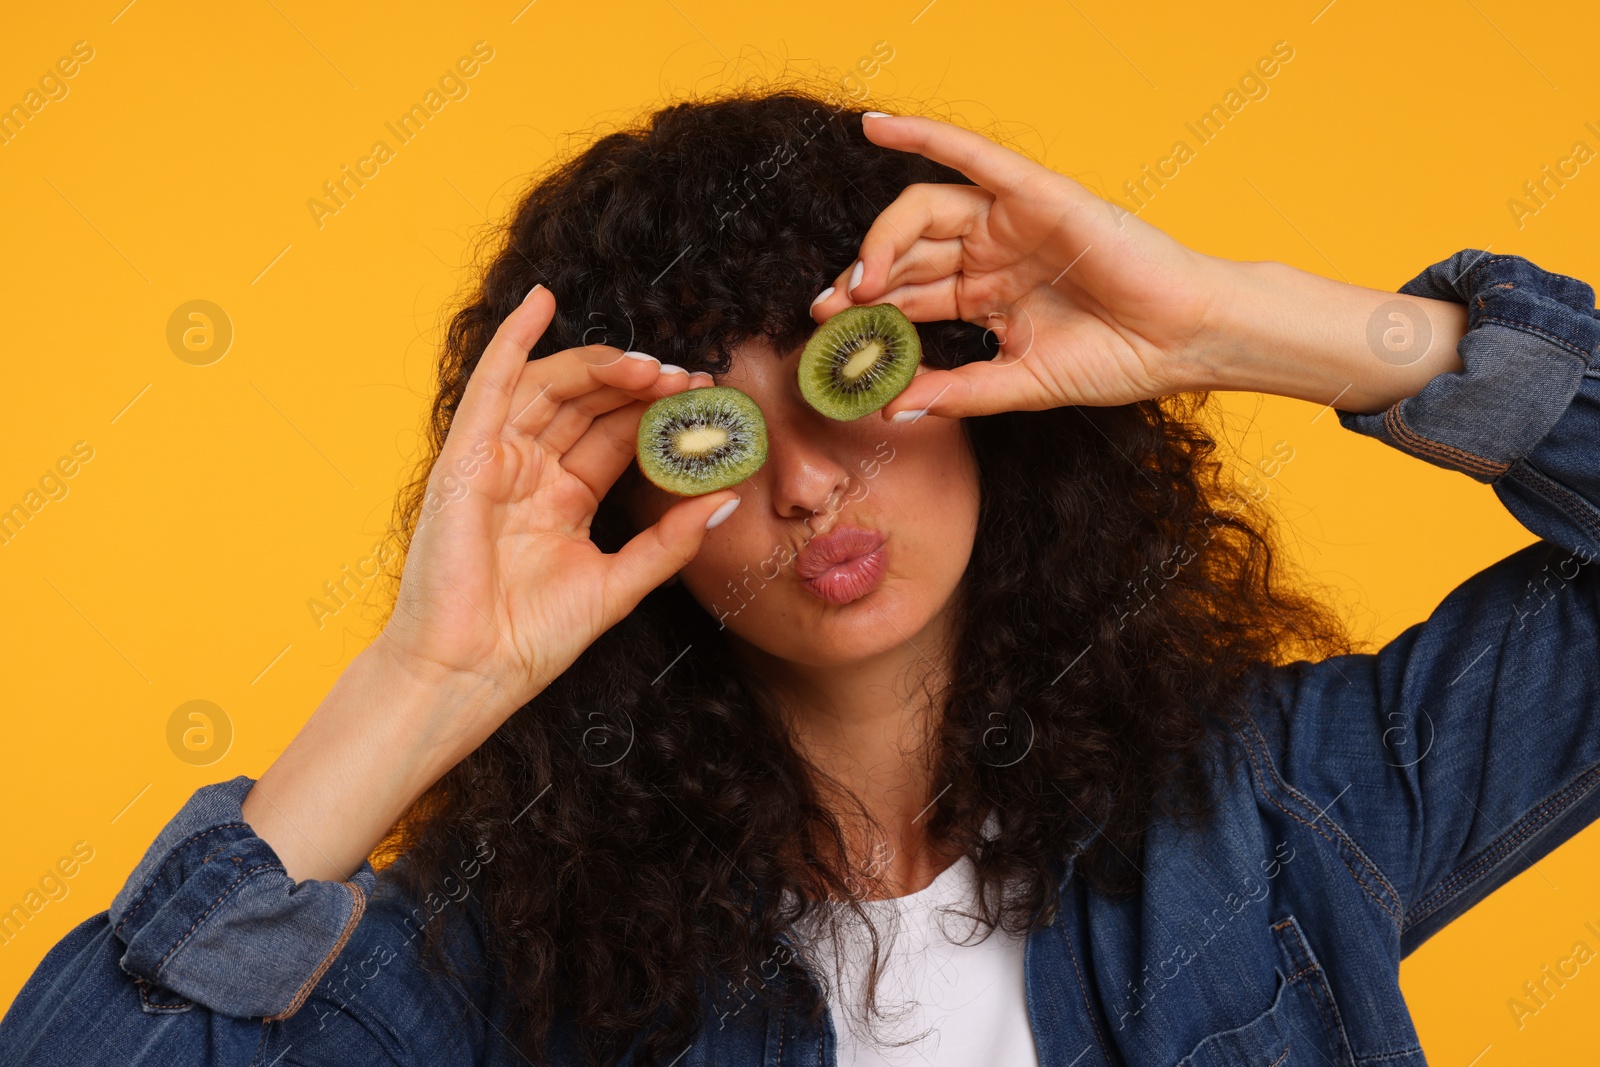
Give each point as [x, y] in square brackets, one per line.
[971, 389]
[658, 552]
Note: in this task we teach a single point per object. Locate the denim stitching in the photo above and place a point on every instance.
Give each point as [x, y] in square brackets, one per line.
[1403, 434]
[1337, 829]
[152, 1008]
[1375, 1057]
[133, 909]
[1491, 854]
[1529, 327]
[783, 1020]
[1083, 989]
[1394, 422]
[218, 903]
[1580, 512]
[1583, 516]
[1281, 1058]
[1479, 264]
[1332, 1021]
[1378, 875]
[1316, 999]
[358, 906]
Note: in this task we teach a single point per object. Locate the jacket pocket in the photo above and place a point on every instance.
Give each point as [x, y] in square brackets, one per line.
[1265, 1041]
[1311, 997]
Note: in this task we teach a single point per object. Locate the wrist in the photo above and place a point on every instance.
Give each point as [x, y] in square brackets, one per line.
[387, 730]
[1277, 329]
[444, 712]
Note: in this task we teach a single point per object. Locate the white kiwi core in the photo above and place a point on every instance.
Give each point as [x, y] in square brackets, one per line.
[861, 361]
[700, 440]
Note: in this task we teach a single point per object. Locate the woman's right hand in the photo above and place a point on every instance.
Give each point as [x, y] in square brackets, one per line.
[502, 590]
[502, 584]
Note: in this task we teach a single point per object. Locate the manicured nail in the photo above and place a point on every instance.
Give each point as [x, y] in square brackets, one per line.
[644, 356]
[876, 115]
[721, 513]
[822, 296]
[909, 415]
[537, 286]
[668, 368]
[855, 276]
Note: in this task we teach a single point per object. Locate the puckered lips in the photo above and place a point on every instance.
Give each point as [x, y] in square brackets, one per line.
[844, 564]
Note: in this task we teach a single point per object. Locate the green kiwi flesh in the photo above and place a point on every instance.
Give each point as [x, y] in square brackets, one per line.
[859, 360]
[702, 440]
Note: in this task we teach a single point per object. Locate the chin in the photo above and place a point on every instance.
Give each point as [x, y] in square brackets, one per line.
[801, 628]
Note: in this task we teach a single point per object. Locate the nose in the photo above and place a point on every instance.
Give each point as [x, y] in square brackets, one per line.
[805, 468]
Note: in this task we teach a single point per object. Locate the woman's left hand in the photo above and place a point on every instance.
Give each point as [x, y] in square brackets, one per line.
[1090, 305]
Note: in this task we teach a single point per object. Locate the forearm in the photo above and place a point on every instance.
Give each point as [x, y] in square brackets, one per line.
[1285, 331]
[381, 736]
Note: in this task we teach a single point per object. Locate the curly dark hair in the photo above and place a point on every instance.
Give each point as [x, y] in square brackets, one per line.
[653, 834]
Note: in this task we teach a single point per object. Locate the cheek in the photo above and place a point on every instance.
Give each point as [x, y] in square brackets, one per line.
[933, 481]
[734, 551]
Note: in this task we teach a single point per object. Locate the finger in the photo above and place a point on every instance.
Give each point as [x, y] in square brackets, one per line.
[971, 389]
[549, 382]
[933, 301]
[660, 551]
[604, 451]
[486, 400]
[573, 418]
[607, 442]
[926, 262]
[1003, 171]
[934, 212]
[999, 169]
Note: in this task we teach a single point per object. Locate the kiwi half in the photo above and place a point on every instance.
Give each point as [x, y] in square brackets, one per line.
[701, 440]
[859, 360]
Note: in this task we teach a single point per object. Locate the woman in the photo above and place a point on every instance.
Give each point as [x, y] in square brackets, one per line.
[645, 764]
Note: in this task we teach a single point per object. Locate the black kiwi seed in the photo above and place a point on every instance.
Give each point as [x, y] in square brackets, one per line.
[701, 440]
[859, 360]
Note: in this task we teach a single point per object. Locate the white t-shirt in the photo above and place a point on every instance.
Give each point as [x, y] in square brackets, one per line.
[958, 1001]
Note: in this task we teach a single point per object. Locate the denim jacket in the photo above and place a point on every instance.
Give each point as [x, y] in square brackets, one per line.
[1377, 797]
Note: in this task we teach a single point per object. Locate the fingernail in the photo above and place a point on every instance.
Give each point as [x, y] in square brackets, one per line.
[909, 415]
[700, 379]
[668, 368]
[644, 356]
[876, 115]
[855, 276]
[822, 296]
[537, 286]
[722, 513]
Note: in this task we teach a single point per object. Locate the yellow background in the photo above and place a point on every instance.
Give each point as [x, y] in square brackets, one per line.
[178, 168]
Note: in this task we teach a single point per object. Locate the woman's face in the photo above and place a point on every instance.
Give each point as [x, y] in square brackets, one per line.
[913, 487]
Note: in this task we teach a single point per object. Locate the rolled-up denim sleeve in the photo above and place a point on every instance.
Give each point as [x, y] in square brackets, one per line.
[1468, 747]
[209, 893]
[209, 919]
